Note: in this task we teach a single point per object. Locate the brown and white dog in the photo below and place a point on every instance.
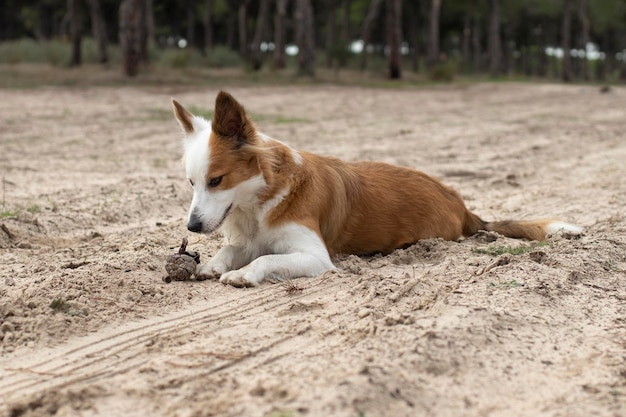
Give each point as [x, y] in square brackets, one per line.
[284, 213]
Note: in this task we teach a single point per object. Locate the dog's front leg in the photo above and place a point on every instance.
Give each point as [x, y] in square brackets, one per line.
[229, 257]
[279, 267]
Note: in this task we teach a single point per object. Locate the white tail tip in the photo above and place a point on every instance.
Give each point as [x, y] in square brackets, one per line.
[555, 227]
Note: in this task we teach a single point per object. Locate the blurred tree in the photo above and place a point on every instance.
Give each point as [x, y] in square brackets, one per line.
[584, 38]
[207, 23]
[495, 44]
[366, 31]
[394, 37]
[132, 25]
[305, 37]
[279, 33]
[99, 30]
[75, 20]
[259, 34]
[566, 43]
[433, 39]
[243, 28]
[331, 30]
[190, 15]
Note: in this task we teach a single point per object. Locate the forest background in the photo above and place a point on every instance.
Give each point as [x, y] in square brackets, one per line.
[436, 39]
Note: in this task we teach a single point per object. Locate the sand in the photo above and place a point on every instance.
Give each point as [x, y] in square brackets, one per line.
[94, 198]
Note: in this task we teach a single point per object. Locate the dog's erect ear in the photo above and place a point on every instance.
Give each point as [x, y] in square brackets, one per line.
[230, 119]
[183, 116]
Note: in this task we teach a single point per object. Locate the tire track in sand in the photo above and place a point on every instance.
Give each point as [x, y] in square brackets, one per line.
[121, 349]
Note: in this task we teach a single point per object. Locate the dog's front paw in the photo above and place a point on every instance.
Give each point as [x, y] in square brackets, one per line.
[210, 270]
[239, 278]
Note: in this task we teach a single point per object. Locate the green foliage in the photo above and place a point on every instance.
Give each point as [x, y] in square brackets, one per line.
[607, 15]
[444, 71]
[33, 209]
[23, 50]
[497, 250]
[545, 8]
[223, 57]
[219, 57]
[8, 213]
[53, 52]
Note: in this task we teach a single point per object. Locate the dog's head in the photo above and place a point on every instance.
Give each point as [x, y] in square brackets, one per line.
[221, 162]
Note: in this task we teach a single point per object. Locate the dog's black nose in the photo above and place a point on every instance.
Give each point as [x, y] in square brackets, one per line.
[194, 226]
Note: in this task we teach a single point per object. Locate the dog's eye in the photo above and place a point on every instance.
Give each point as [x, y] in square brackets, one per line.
[191, 182]
[214, 182]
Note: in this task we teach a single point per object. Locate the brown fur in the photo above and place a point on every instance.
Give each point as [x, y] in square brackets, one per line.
[355, 207]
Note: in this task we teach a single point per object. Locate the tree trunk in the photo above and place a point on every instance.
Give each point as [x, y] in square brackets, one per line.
[231, 24]
[149, 23]
[584, 37]
[243, 29]
[305, 37]
[366, 32]
[541, 65]
[433, 37]
[191, 20]
[566, 40]
[131, 21]
[394, 37]
[208, 27]
[45, 13]
[279, 33]
[465, 44]
[507, 49]
[259, 34]
[495, 44]
[73, 7]
[345, 25]
[477, 50]
[144, 54]
[99, 30]
[414, 36]
[331, 29]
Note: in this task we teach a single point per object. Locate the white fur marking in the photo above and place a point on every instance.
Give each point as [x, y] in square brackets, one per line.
[555, 227]
[294, 251]
[297, 158]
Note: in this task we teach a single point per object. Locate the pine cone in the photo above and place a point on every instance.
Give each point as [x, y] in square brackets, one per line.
[181, 266]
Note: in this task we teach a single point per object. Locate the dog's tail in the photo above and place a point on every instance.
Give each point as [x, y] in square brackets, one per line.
[519, 229]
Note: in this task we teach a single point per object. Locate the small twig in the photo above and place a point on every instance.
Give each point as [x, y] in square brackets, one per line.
[291, 287]
[500, 262]
[7, 231]
[408, 286]
[183, 246]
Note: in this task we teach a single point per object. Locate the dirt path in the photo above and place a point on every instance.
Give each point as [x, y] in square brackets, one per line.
[94, 198]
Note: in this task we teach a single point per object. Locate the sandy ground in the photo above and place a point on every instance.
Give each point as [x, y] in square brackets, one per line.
[94, 198]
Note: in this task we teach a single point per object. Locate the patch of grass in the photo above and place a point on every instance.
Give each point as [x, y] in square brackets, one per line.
[157, 113]
[498, 250]
[445, 71]
[59, 304]
[277, 119]
[8, 213]
[33, 209]
[505, 285]
[223, 57]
